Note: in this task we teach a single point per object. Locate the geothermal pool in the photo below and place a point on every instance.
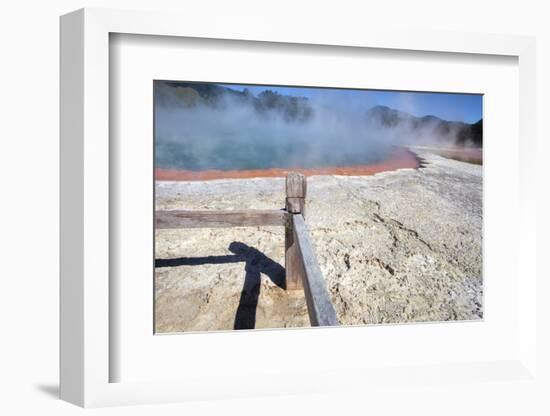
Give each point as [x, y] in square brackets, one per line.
[393, 159]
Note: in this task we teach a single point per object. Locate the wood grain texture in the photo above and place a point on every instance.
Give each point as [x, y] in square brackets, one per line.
[296, 188]
[319, 305]
[218, 218]
[294, 204]
[293, 263]
[295, 185]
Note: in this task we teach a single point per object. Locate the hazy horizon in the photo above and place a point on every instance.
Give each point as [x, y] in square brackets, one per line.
[449, 106]
[202, 126]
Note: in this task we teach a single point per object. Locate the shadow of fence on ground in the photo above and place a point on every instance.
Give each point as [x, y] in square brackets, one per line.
[256, 263]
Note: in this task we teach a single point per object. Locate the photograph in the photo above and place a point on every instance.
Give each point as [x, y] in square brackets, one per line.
[280, 206]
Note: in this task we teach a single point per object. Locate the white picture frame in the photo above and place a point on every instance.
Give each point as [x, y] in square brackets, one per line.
[85, 217]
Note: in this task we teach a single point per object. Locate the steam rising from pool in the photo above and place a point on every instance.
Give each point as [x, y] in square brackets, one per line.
[228, 132]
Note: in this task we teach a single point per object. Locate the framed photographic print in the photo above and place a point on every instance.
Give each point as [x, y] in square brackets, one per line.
[332, 203]
[377, 233]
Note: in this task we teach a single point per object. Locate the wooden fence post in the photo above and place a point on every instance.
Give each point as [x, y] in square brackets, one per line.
[294, 204]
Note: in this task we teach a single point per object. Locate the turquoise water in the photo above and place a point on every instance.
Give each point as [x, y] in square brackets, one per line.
[231, 154]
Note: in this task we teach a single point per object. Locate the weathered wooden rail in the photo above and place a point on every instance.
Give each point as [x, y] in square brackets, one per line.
[219, 218]
[319, 306]
[302, 270]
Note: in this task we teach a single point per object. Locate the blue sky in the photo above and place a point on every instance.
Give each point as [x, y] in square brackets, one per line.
[452, 107]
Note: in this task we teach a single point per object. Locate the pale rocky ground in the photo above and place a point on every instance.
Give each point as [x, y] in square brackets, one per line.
[403, 246]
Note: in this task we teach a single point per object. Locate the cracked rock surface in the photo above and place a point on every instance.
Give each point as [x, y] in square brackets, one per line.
[403, 246]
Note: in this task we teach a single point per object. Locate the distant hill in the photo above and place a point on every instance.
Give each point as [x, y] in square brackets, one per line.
[460, 133]
[190, 94]
[397, 126]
